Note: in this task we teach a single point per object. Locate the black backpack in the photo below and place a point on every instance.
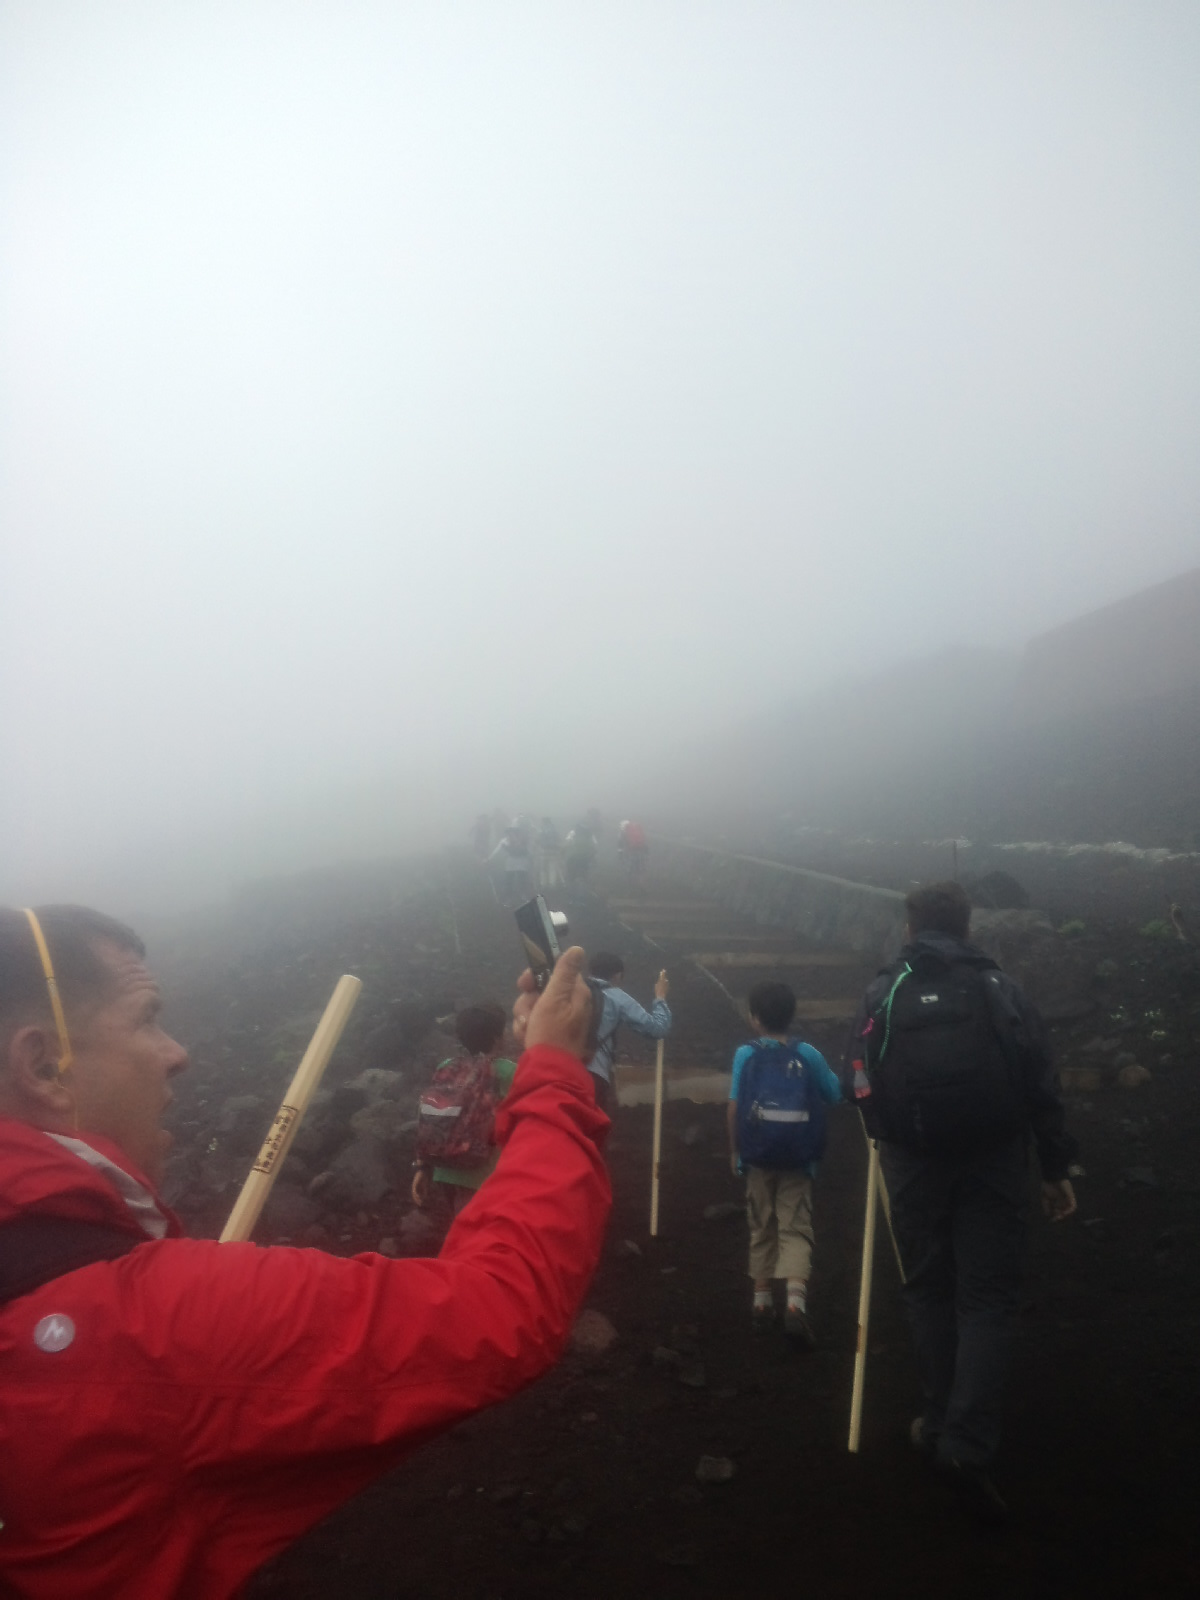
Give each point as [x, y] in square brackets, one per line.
[943, 1058]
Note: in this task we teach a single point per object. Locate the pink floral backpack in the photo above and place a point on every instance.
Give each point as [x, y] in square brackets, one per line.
[457, 1113]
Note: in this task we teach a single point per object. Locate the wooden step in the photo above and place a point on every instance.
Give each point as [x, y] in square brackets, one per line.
[660, 906]
[777, 958]
[703, 1087]
[827, 1010]
[675, 919]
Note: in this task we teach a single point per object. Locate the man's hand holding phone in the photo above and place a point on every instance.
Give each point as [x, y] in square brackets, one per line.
[562, 1014]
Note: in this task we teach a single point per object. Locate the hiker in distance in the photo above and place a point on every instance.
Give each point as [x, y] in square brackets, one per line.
[513, 863]
[950, 1067]
[621, 1010]
[173, 1412]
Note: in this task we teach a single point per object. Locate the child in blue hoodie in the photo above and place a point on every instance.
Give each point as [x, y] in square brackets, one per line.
[779, 1197]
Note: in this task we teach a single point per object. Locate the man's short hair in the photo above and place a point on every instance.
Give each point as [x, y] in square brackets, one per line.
[72, 934]
[939, 908]
[606, 966]
[774, 1006]
[480, 1028]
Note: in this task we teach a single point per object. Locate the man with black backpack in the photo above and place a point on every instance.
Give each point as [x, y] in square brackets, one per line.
[952, 1071]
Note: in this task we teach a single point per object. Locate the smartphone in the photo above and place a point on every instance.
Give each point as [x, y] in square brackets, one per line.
[540, 929]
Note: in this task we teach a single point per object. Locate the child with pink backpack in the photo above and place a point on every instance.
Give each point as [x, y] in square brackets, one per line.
[456, 1115]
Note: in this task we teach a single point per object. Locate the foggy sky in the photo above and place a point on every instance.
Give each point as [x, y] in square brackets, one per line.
[403, 397]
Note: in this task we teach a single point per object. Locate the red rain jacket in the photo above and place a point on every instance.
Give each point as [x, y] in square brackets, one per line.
[207, 1403]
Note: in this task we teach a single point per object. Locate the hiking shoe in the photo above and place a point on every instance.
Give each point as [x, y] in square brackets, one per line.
[763, 1318]
[797, 1327]
[979, 1495]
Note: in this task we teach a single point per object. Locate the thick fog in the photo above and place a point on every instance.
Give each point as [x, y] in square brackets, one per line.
[409, 409]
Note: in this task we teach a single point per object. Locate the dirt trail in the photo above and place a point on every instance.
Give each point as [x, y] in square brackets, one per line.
[585, 1485]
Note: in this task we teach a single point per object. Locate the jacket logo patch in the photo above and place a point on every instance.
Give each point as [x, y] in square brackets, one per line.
[54, 1333]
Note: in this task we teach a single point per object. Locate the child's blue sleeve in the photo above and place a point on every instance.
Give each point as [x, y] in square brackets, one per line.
[827, 1081]
[740, 1056]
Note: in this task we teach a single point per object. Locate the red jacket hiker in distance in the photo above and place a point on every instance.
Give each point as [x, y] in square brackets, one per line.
[217, 1400]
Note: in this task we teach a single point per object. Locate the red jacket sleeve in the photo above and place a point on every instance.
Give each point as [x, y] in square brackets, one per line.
[372, 1352]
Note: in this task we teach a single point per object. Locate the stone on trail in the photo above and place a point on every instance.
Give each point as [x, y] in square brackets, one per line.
[592, 1334]
[692, 1375]
[387, 1247]
[360, 1173]
[1101, 1047]
[630, 1247]
[344, 1102]
[289, 1210]
[383, 1120]
[723, 1210]
[377, 1084]
[1133, 1075]
[714, 1469]
[242, 1122]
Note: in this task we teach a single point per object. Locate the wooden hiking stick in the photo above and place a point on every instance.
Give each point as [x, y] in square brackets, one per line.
[885, 1201]
[282, 1131]
[864, 1297]
[657, 1143]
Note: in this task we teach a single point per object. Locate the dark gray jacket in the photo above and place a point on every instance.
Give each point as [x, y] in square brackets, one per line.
[1043, 1093]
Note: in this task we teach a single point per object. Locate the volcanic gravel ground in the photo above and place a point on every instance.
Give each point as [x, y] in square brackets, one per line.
[586, 1484]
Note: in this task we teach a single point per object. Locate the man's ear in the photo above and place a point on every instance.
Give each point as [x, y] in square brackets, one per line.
[35, 1089]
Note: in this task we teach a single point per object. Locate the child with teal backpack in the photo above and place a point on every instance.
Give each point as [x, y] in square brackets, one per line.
[776, 1114]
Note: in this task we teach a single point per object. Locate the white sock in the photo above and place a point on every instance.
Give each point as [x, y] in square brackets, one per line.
[762, 1299]
[797, 1296]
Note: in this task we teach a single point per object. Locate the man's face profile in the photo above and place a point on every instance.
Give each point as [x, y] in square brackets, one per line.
[123, 1060]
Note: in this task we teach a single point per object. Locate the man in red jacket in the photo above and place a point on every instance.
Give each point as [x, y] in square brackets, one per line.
[174, 1412]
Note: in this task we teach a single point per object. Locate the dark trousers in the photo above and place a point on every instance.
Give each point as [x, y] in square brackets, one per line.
[606, 1095]
[960, 1224]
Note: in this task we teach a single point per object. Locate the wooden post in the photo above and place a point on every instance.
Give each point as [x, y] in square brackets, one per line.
[303, 1086]
[657, 1143]
[864, 1297]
